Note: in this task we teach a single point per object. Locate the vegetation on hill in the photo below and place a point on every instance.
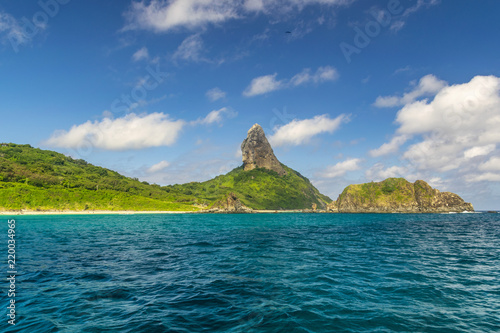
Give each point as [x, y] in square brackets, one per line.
[36, 179]
[397, 195]
[32, 178]
[259, 189]
[379, 193]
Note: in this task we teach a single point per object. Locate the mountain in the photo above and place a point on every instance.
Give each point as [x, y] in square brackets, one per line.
[35, 179]
[262, 182]
[257, 152]
[397, 195]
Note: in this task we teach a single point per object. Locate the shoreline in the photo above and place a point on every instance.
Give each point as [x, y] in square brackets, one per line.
[131, 212]
[165, 212]
[90, 212]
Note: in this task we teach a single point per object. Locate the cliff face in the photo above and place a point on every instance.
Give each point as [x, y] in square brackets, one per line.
[396, 195]
[257, 152]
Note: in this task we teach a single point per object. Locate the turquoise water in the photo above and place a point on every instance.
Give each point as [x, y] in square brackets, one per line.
[257, 273]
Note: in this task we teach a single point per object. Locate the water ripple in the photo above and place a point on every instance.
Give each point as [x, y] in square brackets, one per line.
[258, 273]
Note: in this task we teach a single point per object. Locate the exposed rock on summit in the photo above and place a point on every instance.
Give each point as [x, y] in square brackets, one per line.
[397, 195]
[257, 152]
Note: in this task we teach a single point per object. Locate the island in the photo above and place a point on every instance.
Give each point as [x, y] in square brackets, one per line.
[397, 195]
[36, 180]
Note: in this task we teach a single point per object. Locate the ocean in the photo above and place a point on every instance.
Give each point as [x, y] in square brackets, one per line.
[255, 273]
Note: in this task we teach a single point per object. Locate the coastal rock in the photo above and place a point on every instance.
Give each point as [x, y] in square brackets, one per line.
[257, 152]
[332, 207]
[397, 195]
[230, 204]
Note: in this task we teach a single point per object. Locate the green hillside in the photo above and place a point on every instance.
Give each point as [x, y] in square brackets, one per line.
[397, 195]
[379, 193]
[35, 179]
[259, 189]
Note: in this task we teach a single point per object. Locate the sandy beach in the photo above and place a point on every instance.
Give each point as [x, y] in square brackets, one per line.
[126, 212]
[91, 212]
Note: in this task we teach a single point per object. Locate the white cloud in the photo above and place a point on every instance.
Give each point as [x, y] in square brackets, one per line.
[130, 132]
[488, 177]
[379, 172]
[262, 85]
[493, 164]
[161, 16]
[322, 74]
[479, 151]
[254, 5]
[215, 94]
[429, 85]
[400, 22]
[456, 131]
[387, 101]
[438, 183]
[190, 49]
[268, 83]
[402, 70]
[141, 54]
[11, 31]
[390, 147]
[158, 167]
[299, 132]
[341, 168]
[215, 116]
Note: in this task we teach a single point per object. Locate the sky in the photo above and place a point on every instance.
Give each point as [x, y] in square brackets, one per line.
[347, 91]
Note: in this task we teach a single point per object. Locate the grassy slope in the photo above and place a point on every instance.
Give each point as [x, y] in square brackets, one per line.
[40, 179]
[380, 194]
[261, 189]
[33, 179]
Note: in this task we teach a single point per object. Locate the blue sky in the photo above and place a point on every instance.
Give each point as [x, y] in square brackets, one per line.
[347, 91]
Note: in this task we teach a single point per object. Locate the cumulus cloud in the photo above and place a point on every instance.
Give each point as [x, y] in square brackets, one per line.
[493, 164]
[130, 132]
[429, 85]
[215, 94]
[268, 83]
[160, 166]
[215, 116]
[379, 172]
[162, 16]
[488, 177]
[479, 151]
[299, 132]
[457, 130]
[389, 147]
[342, 168]
[262, 85]
[491, 171]
[141, 54]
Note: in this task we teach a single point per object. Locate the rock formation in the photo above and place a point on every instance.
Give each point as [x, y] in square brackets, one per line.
[397, 195]
[257, 152]
[230, 204]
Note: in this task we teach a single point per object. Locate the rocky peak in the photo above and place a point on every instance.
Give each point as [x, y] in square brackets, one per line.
[257, 152]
